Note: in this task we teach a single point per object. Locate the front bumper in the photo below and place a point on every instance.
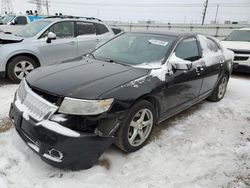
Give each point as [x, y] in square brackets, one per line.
[241, 68]
[59, 150]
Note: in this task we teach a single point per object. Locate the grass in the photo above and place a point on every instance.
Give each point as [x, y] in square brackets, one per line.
[5, 125]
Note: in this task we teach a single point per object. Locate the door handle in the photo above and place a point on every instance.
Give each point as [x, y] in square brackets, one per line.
[97, 40]
[222, 62]
[72, 43]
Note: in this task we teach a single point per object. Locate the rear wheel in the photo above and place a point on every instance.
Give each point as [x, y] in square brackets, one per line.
[19, 67]
[137, 127]
[220, 89]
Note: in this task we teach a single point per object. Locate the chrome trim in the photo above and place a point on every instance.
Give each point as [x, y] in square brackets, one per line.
[52, 158]
[33, 146]
[54, 150]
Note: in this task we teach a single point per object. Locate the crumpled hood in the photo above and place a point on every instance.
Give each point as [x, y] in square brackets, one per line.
[85, 79]
[9, 38]
[236, 45]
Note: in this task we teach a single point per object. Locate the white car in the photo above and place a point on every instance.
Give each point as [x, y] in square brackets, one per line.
[239, 42]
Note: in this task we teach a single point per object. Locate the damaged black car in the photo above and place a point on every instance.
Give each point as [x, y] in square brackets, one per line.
[70, 113]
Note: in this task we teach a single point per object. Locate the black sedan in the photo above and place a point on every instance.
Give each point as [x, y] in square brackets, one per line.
[71, 112]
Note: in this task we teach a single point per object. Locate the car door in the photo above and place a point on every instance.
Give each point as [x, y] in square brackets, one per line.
[86, 37]
[183, 86]
[214, 60]
[64, 47]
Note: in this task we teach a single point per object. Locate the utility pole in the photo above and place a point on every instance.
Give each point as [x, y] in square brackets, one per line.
[47, 7]
[6, 7]
[39, 4]
[216, 14]
[204, 12]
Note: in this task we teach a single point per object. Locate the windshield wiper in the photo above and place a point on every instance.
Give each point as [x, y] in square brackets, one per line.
[113, 61]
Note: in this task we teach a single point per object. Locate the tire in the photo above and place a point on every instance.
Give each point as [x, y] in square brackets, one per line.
[136, 129]
[19, 67]
[220, 90]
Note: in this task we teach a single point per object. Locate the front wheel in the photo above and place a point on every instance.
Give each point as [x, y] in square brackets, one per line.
[137, 127]
[220, 89]
[19, 67]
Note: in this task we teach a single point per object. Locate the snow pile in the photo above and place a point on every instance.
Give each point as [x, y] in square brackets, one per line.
[6, 97]
[206, 146]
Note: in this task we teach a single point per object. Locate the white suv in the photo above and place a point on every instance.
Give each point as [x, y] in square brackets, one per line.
[239, 42]
[49, 41]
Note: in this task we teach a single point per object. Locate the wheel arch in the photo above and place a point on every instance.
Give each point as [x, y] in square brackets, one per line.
[153, 100]
[24, 54]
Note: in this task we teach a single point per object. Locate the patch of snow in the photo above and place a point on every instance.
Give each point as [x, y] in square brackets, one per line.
[56, 127]
[135, 83]
[206, 146]
[7, 93]
[58, 117]
[22, 108]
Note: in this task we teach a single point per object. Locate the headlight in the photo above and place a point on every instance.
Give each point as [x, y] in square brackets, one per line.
[85, 107]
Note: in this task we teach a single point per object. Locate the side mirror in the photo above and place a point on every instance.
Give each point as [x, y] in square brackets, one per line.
[51, 36]
[180, 64]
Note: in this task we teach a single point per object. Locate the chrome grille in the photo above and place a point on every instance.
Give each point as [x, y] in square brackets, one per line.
[32, 104]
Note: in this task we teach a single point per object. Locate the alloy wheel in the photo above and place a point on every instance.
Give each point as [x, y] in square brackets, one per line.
[140, 127]
[222, 87]
[22, 69]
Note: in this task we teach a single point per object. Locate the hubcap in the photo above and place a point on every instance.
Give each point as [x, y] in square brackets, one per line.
[222, 87]
[22, 69]
[140, 127]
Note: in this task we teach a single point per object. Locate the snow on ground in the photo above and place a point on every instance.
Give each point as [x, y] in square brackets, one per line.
[206, 146]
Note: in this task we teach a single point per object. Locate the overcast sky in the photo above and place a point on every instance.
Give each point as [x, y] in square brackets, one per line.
[133, 10]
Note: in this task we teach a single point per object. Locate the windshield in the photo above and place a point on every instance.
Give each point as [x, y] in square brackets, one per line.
[240, 35]
[5, 19]
[33, 28]
[135, 49]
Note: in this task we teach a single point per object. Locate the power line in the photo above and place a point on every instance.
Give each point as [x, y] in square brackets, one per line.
[39, 4]
[6, 7]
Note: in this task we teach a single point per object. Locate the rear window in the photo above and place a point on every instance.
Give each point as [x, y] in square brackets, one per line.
[83, 28]
[116, 30]
[21, 20]
[101, 29]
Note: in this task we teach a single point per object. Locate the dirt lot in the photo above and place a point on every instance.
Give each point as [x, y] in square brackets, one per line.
[205, 146]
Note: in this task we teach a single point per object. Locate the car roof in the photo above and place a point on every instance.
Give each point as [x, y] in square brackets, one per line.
[73, 18]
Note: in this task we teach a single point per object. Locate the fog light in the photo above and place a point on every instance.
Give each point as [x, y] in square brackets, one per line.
[55, 154]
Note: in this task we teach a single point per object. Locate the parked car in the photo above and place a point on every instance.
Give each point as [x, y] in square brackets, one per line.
[70, 113]
[11, 23]
[239, 42]
[49, 41]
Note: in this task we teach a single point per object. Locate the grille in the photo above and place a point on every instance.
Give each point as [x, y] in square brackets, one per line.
[32, 104]
[240, 58]
[241, 52]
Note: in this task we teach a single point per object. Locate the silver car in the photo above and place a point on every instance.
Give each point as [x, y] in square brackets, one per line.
[49, 41]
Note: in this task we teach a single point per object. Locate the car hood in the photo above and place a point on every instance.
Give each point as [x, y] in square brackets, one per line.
[9, 38]
[85, 79]
[236, 45]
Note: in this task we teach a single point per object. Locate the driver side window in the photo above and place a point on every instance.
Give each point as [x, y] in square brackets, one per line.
[61, 29]
[188, 50]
